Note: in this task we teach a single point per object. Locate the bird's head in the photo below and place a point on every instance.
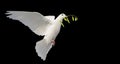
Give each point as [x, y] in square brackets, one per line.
[62, 17]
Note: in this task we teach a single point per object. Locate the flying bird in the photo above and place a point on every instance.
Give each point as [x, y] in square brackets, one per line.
[47, 26]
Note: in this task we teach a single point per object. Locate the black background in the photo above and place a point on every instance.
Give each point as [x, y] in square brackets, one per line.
[78, 42]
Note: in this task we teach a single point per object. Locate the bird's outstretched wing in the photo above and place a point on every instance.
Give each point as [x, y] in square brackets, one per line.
[34, 20]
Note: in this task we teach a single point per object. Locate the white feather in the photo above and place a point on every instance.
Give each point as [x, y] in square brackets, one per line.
[33, 20]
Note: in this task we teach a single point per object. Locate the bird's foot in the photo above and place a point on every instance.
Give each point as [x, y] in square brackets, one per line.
[53, 41]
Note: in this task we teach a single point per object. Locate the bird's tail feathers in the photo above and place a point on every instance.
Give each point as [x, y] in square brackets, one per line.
[42, 48]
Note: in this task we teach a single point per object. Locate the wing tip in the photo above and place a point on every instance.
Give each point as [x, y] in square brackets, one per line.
[7, 12]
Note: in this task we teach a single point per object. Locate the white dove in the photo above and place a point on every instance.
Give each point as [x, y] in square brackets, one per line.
[41, 25]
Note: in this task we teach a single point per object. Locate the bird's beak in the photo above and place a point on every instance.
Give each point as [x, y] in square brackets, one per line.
[66, 19]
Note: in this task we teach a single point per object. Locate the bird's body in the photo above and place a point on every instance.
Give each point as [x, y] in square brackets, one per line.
[54, 29]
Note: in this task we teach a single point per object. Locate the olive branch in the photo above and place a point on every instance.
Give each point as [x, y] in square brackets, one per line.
[74, 18]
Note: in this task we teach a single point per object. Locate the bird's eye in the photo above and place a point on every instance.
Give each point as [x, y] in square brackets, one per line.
[62, 14]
